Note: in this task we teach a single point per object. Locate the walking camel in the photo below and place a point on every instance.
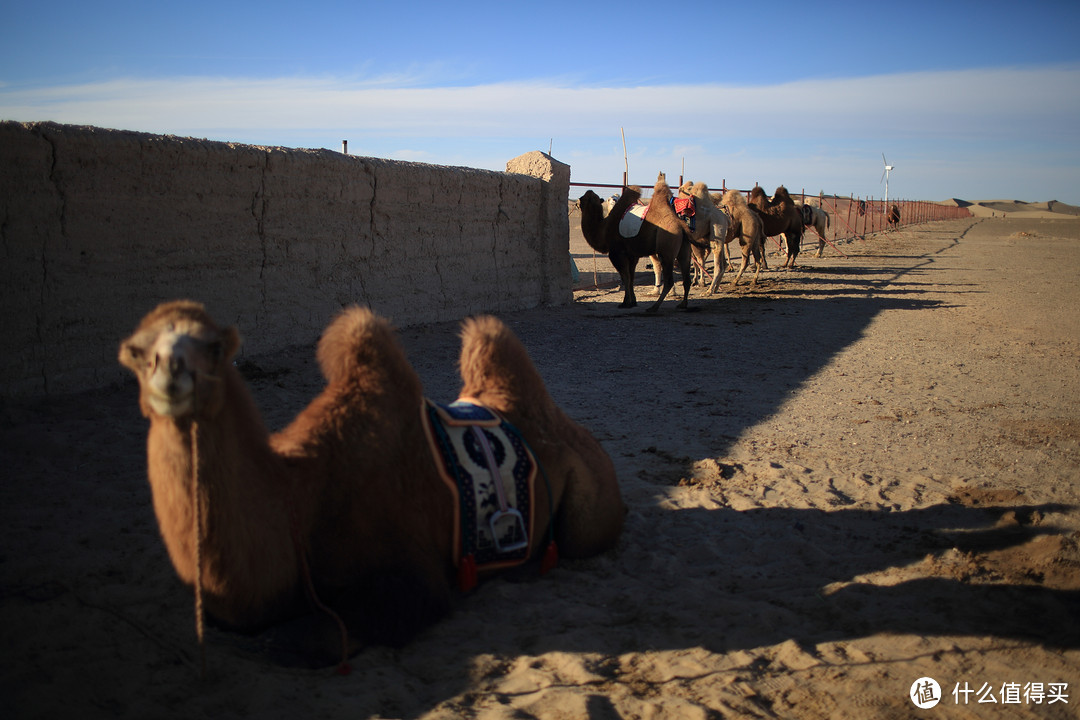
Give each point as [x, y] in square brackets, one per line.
[780, 216]
[713, 225]
[661, 233]
[747, 225]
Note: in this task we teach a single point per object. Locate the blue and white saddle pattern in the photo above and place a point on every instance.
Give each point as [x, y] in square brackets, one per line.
[491, 474]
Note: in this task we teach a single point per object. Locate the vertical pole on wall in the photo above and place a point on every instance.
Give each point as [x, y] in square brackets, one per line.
[344, 147]
[626, 161]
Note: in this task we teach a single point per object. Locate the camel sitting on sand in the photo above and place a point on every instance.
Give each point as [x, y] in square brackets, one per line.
[348, 508]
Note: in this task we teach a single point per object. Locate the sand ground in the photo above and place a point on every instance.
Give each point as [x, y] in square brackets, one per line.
[848, 478]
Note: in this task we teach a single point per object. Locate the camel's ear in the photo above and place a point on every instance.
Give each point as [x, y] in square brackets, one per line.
[230, 343]
[132, 355]
[223, 349]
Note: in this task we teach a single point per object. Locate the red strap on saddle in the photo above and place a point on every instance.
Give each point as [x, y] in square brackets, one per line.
[467, 575]
[550, 559]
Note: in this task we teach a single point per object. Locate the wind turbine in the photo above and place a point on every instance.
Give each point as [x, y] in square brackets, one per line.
[885, 176]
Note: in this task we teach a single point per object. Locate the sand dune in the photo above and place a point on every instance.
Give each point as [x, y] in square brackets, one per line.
[1048, 210]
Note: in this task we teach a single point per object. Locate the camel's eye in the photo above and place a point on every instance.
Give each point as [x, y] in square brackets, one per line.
[136, 354]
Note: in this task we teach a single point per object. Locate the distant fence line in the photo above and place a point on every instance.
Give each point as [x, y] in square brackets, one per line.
[851, 216]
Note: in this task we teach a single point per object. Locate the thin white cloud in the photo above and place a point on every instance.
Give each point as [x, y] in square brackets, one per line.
[949, 133]
[914, 104]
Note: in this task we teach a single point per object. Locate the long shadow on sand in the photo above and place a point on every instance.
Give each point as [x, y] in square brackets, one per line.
[762, 577]
[616, 372]
[717, 371]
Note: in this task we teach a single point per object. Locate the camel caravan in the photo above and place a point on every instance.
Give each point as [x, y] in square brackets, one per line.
[362, 519]
[695, 224]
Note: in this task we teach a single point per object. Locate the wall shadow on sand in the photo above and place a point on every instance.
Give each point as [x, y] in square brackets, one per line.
[82, 552]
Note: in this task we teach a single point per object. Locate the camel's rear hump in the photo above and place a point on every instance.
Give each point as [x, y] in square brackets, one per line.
[496, 368]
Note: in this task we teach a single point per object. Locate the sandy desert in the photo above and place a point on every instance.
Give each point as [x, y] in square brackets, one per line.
[843, 480]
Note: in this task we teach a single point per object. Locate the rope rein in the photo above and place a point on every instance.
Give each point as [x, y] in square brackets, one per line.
[305, 571]
[200, 626]
[343, 667]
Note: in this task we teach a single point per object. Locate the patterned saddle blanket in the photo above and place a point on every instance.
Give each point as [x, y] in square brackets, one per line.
[491, 474]
[684, 206]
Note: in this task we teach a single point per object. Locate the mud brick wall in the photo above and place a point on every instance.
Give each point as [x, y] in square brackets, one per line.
[98, 226]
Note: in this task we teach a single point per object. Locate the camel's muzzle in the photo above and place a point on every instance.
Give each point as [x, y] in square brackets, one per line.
[171, 390]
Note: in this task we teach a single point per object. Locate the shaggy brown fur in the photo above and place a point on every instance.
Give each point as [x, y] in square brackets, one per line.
[894, 216]
[746, 224]
[780, 216]
[713, 224]
[350, 485]
[663, 234]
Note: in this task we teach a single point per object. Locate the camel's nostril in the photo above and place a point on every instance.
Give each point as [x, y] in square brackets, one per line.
[176, 364]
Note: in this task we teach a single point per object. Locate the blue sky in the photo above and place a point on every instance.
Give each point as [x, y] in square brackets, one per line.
[977, 100]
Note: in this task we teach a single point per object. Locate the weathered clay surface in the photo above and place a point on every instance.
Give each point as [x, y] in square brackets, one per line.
[97, 226]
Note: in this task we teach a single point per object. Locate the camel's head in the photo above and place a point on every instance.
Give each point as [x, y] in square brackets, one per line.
[179, 355]
[733, 199]
[686, 189]
[700, 190]
[662, 190]
[590, 201]
[807, 215]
